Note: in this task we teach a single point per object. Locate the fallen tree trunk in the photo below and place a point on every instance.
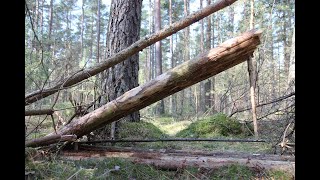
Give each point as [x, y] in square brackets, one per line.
[50, 140]
[205, 65]
[186, 152]
[171, 139]
[172, 161]
[131, 50]
[39, 112]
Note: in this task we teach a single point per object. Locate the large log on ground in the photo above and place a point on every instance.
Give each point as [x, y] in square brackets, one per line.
[175, 161]
[47, 140]
[205, 65]
[131, 50]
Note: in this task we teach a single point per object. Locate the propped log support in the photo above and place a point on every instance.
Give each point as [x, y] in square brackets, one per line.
[205, 65]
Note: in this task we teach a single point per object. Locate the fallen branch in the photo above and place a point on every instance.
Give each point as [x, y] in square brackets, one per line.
[131, 50]
[39, 112]
[49, 140]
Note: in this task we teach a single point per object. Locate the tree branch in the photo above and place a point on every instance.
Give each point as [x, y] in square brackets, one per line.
[131, 50]
[263, 104]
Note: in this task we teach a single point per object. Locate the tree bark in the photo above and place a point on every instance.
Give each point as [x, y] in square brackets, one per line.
[252, 74]
[47, 140]
[157, 28]
[207, 84]
[291, 76]
[123, 30]
[51, 20]
[98, 33]
[127, 52]
[201, 89]
[205, 65]
[188, 159]
[39, 112]
[173, 63]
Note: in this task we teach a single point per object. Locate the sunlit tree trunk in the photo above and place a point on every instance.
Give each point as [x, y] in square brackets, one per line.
[207, 84]
[252, 74]
[158, 59]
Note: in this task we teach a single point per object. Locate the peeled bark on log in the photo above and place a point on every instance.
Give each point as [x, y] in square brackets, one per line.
[47, 140]
[205, 65]
[39, 112]
[131, 50]
[175, 161]
[187, 152]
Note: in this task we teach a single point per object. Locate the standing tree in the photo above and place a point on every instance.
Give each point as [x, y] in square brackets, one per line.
[252, 74]
[157, 27]
[123, 30]
[207, 84]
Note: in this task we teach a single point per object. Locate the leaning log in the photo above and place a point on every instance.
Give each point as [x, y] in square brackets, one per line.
[205, 65]
[131, 50]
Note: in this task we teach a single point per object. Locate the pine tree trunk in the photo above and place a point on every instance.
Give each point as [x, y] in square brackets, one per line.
[252, 74]
[123, 30]
[291, 76]
[201, 89]
[157, 27]
[98, 33]
[207, 84]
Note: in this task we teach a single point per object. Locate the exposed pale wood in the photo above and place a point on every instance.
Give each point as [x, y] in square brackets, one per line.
[49, 140]
[131, 50]
[39, 112]
[188, 152]
[172, 161]
[216, 60]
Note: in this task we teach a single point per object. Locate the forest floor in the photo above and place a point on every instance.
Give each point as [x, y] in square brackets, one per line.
[56, 167]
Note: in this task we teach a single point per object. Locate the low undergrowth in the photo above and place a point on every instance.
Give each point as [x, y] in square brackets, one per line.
[116, 168]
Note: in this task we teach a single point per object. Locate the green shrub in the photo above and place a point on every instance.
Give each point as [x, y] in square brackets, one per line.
[216, 125]
[140, 130]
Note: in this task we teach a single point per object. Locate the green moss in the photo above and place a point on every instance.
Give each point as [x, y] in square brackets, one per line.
[216, 125]
[140, 130]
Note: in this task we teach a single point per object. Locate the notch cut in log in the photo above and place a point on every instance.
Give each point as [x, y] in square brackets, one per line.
[47, 140]
[205, 65]
[131, 50]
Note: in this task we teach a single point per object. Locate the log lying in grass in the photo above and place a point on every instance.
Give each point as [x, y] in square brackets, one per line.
[175, 161]
[49, 140]
[177, 152]
[205, 65]
[131, 50]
